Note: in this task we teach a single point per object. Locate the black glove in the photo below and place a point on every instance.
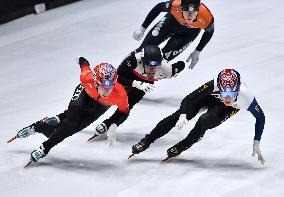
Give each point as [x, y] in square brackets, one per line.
[82, 61]
[177, 68]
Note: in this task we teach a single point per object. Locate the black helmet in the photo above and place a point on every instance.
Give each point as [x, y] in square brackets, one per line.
[152, 56]
[185, 4]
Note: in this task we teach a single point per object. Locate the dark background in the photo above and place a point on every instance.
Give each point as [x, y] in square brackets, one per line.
[12, 9]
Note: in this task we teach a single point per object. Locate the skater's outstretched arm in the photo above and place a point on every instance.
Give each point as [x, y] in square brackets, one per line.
[160, 7]
[206, 37]
[257, 112]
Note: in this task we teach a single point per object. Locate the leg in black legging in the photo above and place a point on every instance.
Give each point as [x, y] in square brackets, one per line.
[215, 116]
[82, 111]
[69, 126]
[79, 98]
[165, 125]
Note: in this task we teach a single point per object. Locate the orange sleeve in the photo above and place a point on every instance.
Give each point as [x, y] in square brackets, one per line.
[86, 74]
[87, 80]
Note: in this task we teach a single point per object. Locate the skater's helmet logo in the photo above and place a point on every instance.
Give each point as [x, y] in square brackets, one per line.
[153, 63]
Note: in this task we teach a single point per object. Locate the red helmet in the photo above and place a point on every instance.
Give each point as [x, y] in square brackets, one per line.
[105, 74]
[229, 80]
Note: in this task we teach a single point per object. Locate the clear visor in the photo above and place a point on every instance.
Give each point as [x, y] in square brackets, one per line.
[228, 93]
[105, 88]
[152, 66]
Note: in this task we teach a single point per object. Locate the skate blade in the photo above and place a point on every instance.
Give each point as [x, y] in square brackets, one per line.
[92, 138]
[263, 162]
[165, 160]
[28, 164]
[130, 155]
[12, 139]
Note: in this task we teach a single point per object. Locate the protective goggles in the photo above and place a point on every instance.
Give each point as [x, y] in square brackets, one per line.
[152, 66]
[107, 85]
[229, 93]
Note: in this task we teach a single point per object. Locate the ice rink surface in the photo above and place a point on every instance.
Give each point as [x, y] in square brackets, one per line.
[38, 76]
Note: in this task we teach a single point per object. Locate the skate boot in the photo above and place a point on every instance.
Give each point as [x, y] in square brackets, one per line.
[174, 151]
[27, 131]
[140, 147]
[36, 155]
[101, 130]
[44, 126]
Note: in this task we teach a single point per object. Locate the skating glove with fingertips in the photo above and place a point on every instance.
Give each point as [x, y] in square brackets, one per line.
[194, 57]
[138, 34]
[256, 150]
[145, 87]
[182, 121]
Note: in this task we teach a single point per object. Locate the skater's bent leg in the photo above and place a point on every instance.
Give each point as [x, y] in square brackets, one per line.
[69, 126]
[211, 119]
[163, 127]
[48, 125]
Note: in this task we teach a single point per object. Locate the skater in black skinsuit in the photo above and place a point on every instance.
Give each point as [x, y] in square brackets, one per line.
[183, 21]
[222, 98]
